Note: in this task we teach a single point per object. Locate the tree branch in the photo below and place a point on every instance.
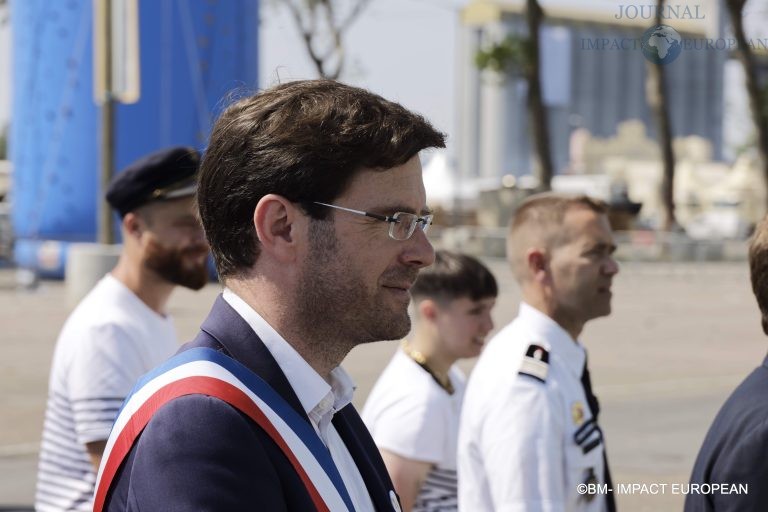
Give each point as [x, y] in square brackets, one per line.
[314, 26]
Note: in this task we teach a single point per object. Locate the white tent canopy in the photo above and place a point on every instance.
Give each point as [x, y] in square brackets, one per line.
[443, 185]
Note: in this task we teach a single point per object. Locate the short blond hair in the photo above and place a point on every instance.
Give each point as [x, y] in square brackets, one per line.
[538, 222]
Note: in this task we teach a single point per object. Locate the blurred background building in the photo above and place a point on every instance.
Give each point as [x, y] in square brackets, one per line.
[426, 54]
[593, 77]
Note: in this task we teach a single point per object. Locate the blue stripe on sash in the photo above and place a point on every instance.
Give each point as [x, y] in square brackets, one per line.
[260, 388]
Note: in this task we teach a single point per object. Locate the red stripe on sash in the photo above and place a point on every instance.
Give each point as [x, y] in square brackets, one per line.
[194, 386]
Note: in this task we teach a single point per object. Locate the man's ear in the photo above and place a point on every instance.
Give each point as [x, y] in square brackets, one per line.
[133, 225]
[538, 264]
[427, 309]
[276, 221]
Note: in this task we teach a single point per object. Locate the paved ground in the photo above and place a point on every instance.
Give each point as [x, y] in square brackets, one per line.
[681, 338]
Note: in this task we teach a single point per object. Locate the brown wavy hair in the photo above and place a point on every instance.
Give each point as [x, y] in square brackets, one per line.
[303, 140]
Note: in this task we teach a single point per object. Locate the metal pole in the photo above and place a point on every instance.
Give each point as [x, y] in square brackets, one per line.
[107, 135]
[457, 162]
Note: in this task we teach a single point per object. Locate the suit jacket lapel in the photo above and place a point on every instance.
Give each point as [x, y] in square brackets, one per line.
[238, 339]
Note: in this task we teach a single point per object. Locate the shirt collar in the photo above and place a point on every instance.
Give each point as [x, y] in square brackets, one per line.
[310, 388]
[561, 344]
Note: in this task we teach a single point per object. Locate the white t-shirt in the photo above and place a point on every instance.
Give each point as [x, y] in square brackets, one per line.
[107, 343]
[410, 415]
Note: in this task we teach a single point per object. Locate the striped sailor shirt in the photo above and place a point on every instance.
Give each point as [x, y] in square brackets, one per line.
[107, 343]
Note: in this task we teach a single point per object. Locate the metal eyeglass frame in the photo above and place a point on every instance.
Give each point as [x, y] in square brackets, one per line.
[395, 218]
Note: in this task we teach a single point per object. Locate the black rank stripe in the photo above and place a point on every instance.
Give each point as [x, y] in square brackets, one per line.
[585, 438]
[591, 445]
[584, 431]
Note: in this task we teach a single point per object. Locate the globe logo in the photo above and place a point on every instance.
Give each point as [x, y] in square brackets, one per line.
[661, 44]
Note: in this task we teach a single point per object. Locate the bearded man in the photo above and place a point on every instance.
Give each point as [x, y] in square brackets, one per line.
[121, 329]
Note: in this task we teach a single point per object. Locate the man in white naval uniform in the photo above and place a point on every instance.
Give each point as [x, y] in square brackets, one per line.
[529, 437]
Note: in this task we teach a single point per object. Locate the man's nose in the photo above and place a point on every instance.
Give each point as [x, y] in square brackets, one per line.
[487, 323]
[198, 236]
[611, 266]
[419, 251]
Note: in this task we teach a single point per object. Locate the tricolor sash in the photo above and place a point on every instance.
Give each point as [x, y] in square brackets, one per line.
[208, 372]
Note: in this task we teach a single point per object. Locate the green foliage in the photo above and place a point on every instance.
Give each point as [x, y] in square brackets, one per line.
[507, 55]
[4, 143]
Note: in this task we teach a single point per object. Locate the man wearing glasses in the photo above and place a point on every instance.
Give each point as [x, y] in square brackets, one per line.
[312, 200]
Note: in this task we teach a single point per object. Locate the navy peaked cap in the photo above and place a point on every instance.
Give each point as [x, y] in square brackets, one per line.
[166, 174]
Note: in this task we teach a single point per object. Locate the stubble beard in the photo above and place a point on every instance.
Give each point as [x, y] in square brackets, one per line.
[597, 309]
[334, 306]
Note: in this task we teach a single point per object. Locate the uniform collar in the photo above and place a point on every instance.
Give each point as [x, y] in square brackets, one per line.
[316, 395]
[561, 344]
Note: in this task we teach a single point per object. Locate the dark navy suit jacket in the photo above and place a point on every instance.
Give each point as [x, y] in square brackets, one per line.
[735, 450]
[198, 453]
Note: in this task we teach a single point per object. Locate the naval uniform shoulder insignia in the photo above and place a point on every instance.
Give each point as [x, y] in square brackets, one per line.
[535, 363]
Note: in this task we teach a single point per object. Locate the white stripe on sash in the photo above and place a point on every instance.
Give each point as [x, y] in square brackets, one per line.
[204, 368]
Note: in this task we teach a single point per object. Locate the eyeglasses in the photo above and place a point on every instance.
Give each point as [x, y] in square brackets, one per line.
[401, 224]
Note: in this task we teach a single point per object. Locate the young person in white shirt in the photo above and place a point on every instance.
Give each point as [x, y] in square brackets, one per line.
[413, 410]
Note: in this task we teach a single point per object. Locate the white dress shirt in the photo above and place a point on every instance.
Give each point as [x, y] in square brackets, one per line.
[518, 448]
[319, 399]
